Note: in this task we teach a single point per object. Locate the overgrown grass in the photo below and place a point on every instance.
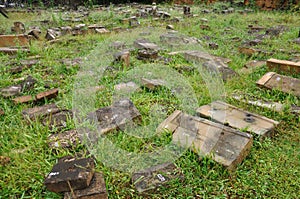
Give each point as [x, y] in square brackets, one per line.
[270, 171]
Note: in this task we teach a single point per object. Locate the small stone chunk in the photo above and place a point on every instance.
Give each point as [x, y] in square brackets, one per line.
[70, 174]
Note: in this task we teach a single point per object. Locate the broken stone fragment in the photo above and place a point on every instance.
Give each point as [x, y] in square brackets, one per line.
[13, 50]
[272, 80]
[170, 27]
[35, 33]
[254, 42]
[123, 56]
[225, 145]
[23, 99]
[1, 112]
[70, 175]
[66, 30]
[276, 31]
[39, 97]
[213, 46]
[67, 139]
[52, 34]
[18, 27]
[25, 85]
[117, 45]
[153, 177]
[232, 116]
[96, 190]
[204, 27]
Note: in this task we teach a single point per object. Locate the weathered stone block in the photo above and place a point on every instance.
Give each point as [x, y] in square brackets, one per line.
[70, 175]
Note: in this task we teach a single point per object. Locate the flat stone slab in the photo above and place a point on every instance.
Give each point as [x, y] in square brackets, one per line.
[25, 85]
[58, 120]
[96, 190]
[283, 65]
[13, 50]
[225, 145]
[70, 174]
[152, 83]
[237, 118]
[272, 80]
[67, 139]
[155, 176]
[251, 65]
[39, 97]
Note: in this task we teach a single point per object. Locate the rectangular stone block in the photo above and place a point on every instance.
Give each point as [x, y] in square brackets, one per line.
[96, 190]
[237, 118]
[283, 65]
[13, 50]
[155, 176]
[272, 80]
[225, 145]
[14, 90]
[70, 174]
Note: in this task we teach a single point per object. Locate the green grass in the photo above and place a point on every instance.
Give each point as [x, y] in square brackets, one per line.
[271, 170]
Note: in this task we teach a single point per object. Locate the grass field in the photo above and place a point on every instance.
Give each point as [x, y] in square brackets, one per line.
[271, 170]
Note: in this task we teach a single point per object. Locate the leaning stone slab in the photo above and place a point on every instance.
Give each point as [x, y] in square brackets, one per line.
[155, 176]
[225, 145]
[25, 85]
[70, 174]
[272, 80]
[237, 118]
[96, 190]
[283, 65]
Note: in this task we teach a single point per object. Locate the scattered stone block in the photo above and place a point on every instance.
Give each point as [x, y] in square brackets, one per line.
[156, 176]
[147, 54]
[117, 45]
[211, 63]
[35, 33]
[225, 145]
[70, 175]
[32, 114]
[213, 46]
[145, 44]
[53, 34]
[123, 56]
[102, 31]
[115, 117]
[66, 30]
[272, 80]
[204, 27]
[23, 99]
[232, 116]
[252, 65]
[24, 64]
[152, 83]
[170, 27]
[14, 40]
[18, 27]
[67, 139]
[247, 50]
[25, 85]
[283, 65]
[96, 190]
